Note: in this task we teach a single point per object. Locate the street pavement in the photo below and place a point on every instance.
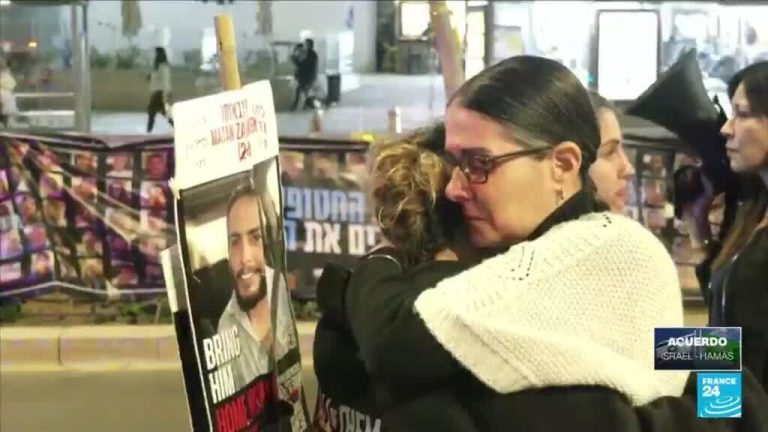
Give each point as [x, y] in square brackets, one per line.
[116, 400]
[421, 99]
[110, 400]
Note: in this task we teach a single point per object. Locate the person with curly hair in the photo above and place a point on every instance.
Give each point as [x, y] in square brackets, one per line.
[423, 229]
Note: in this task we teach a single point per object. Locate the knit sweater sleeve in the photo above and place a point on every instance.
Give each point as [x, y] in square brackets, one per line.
[576, 306]
[394, 342]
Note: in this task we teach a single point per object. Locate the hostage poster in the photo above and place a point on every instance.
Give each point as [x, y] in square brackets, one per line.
[78, 214]
[231, 243]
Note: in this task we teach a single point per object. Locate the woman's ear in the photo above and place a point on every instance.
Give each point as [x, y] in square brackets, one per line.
[566, 161]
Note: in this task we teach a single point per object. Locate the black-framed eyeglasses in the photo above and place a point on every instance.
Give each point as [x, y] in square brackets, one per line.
[477, 167]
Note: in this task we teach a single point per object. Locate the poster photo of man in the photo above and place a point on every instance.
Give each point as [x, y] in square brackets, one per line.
[42, 264]
[155, 165]
[85, 188]
[10, 243]
[292, 171]
[89, 245]
[5, 186]
[47, 160]
[22, 148]
[234, 244]
[7, 215]
[51, 186]
[86, 163]
[37, 237]
[154, 195]
[55, 212]
[120, 165]
[92, 269]
[28, 210]
[120, 191]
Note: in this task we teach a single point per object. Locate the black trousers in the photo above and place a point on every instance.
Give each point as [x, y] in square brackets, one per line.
[156, 105]
[303, 88]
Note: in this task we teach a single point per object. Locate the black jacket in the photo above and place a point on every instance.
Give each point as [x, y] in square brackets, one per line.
[306, 70]
[739, 298]
[417, 384]
[343, 380]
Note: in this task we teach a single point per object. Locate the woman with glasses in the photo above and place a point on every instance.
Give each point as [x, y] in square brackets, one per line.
[554, 331]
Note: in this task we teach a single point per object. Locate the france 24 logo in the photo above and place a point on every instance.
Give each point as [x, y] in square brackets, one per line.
[718, 395]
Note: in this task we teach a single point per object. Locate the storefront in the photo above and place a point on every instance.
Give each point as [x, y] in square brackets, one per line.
[45, 43]
[727, 36]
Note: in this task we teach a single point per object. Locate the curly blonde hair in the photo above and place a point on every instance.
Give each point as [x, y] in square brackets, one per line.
[409, 180]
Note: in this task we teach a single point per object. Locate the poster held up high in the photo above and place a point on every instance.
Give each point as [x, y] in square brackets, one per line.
[231, 244]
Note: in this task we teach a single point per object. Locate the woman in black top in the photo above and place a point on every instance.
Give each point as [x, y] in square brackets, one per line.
[418, 224]
[738, 288]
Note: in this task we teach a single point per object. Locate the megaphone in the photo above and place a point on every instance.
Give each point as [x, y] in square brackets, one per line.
[679, 102]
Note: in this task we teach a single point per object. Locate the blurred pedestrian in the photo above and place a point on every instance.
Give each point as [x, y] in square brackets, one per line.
[306, 73]
[8, 108]
[159, 89]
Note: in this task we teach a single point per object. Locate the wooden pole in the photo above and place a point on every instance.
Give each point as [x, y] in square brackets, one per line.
[225, 39]
[449, 47]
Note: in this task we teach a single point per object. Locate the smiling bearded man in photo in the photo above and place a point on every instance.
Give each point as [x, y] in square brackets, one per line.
[249, 308]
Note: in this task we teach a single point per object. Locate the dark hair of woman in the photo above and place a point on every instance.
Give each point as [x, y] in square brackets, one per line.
[408, 194]
[540, 102]
[755, 79]
[160, 57]
[754, 194]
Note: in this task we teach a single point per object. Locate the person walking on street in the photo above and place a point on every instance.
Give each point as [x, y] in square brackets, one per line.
[159, 89]
[306, 73]
[8, 107]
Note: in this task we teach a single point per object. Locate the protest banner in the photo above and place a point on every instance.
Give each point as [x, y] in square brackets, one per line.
[105, 242]
[231, 246]
[79, 214]
[328, 213]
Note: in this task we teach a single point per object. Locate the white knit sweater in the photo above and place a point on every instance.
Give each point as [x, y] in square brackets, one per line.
[576, 306]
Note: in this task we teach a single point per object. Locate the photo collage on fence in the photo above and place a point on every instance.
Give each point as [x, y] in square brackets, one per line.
[328, 213]
[686, 250]
[654, 205]
[85, 217]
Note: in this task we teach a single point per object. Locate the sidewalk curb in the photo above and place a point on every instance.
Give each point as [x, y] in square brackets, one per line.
[104, 347]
